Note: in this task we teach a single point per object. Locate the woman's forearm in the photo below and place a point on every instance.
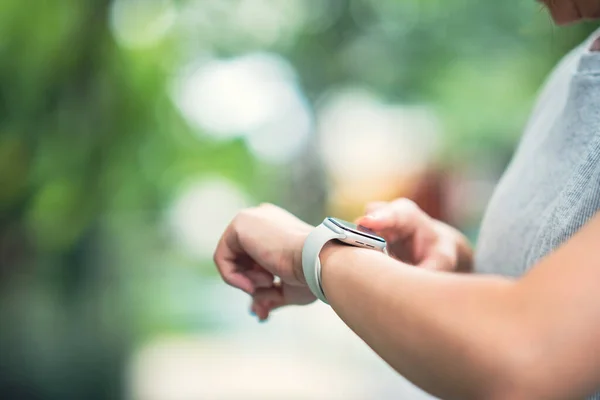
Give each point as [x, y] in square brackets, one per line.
[447, 333]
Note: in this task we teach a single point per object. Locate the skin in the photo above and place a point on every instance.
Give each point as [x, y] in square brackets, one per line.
[417, 239]
[455, 335]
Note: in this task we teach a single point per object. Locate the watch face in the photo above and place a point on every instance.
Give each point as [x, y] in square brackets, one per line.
[360, 230]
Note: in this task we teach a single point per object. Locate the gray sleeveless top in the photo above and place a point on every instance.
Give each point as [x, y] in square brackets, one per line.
[552, 185]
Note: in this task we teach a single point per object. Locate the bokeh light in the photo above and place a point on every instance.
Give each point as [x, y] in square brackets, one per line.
[281, 139]
[255, 96]
[244, 23]
[202, 211]
[141, 23]
[376, 146]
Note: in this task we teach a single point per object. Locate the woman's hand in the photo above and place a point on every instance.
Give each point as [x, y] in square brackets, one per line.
[416, 238]
[258, 245]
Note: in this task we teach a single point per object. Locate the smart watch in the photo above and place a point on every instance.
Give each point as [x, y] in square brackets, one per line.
[334, 229]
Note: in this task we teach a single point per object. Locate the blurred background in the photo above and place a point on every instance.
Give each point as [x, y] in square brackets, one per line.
[131, 132]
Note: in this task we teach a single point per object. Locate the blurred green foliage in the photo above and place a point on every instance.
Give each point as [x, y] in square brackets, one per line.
[92, 150]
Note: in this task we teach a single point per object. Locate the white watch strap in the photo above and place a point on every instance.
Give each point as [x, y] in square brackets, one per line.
[311, 264]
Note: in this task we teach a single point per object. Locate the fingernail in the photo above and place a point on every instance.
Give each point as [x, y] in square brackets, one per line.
[252, 313]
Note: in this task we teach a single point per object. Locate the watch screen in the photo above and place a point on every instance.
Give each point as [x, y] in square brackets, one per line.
[361, 230]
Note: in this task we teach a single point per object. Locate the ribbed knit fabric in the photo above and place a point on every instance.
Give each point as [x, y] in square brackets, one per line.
[552, 186]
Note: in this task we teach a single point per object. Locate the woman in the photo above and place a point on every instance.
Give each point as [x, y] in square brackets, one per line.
[530, 327]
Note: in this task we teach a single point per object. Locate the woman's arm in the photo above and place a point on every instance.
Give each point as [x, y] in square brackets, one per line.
[455, 335]
[464, 336]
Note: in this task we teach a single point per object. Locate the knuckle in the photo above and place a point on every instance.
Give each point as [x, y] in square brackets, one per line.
[407, 205]
[242, 215]
[236, 219]
[227, 279]
[267, 206]
[218, 264]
